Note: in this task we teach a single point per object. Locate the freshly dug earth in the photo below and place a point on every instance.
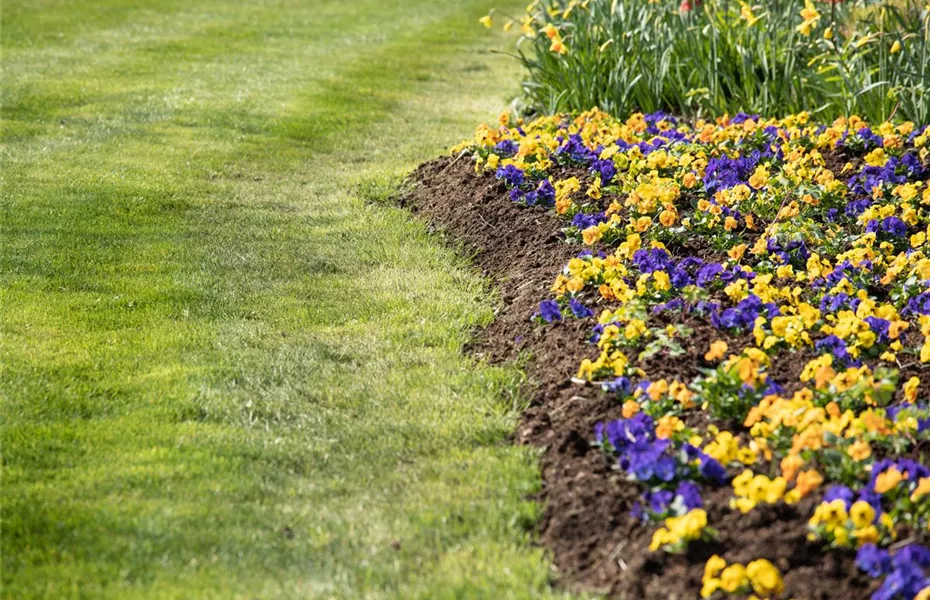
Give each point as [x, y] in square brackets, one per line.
[596, 545]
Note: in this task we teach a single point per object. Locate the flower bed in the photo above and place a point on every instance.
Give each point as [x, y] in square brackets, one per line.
[730, 351]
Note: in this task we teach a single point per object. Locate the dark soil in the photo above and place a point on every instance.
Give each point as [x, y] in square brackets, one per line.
[595, 544]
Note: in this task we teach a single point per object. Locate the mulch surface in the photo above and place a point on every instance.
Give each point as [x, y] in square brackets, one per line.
[595, 544]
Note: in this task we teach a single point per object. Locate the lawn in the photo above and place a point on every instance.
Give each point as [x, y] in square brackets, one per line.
[225, 371]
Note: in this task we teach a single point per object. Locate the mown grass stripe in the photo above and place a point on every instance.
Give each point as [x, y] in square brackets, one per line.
[209, 343]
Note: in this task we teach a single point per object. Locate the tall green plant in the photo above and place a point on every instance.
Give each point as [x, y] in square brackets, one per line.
[721, 56]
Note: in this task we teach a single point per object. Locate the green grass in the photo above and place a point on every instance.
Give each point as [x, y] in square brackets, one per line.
[225, 374]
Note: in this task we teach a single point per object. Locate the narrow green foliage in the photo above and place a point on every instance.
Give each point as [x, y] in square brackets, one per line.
[726, 56]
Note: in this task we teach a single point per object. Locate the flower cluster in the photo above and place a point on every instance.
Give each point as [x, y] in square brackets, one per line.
[751, 489]
[798, 254]
[843, 522]
[678, 531]
[661, 460]
[760, 578]
[905, 574]
[898, 493]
